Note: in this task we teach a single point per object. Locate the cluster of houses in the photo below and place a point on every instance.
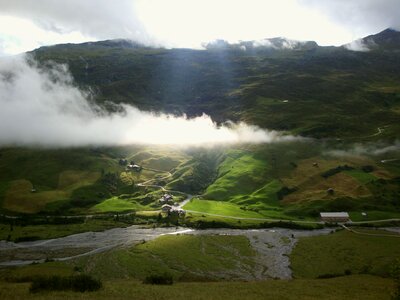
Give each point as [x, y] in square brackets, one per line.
[170, 207]
[130, 166]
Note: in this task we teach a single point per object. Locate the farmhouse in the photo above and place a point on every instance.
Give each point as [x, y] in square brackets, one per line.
[333, 217]
[180, 212]
[123, 161]
[133, 167]
[167, 199]
[166, 208]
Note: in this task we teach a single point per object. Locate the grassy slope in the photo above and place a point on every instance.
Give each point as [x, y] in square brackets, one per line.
[246, 179]
[343, 250]
[249, 179]
[331, 91]
[74, 179]
[361, 287]
[187, 256]
[55, 174]
[239, 174]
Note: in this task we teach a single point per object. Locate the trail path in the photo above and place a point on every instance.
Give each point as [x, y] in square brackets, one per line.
[370, 234]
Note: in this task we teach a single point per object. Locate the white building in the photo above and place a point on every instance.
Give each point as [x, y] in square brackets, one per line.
[335, 217]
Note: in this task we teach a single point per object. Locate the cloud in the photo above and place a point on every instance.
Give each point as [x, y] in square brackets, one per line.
[357, 45]
[95, 18]
[42, 106]
[371, 149]
[171, 23]
[29, 24]
[361, 17]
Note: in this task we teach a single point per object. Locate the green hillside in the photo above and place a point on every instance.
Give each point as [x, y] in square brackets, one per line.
[347, 102]
[313, 91]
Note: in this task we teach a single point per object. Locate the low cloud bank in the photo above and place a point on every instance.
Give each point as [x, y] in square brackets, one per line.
[358, 45]
[44, 107]
[373, 149]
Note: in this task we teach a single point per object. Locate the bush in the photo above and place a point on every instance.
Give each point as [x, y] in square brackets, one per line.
[159, 279]
[77, 283]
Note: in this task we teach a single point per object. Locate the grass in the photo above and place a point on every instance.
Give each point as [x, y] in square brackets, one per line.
[276, 180]
[185, 256]
[73, 180]
[49, 231]
[30, 271]
[362, 287]
[264, 198]
[55, 173]
[343, 250]
[19, 197]
[373, 215]
[116, 204]
[361, 176]
[239, 174]
[220, 208]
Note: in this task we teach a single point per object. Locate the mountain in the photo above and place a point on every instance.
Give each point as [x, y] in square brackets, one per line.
[388, 39]
[304, 89]
[278, 43]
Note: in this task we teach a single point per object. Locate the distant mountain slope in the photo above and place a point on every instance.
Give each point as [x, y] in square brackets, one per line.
[388, 39]
[306, 89]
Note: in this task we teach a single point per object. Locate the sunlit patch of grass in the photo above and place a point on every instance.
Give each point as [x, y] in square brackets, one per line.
[220, 208]
[116, 204]
[239, 174]
[361, 176]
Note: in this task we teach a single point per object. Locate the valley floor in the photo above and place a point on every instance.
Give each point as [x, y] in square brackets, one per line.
[273, 246]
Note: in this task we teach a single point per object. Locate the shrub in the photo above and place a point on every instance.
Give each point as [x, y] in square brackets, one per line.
[77, 283]
[326, 276]
[159, 279]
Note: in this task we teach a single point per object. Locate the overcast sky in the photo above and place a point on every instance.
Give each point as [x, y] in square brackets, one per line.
[28, 24]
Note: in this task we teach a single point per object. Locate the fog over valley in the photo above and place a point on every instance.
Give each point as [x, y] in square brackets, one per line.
[43, 106]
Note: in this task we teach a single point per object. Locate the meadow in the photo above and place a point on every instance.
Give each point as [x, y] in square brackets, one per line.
[345, 252]
[363, 287]
[340, 265]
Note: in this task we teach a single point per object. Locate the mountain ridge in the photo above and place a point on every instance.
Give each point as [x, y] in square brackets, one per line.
[373, 42]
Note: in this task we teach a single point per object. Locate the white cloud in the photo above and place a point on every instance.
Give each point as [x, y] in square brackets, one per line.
[19, 35]
[172, 23]
[43, 107]
[366, 149]
[357, 45]
[189, 23]
[359, 17]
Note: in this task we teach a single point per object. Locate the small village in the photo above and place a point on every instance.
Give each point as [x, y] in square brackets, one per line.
[170, 207]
